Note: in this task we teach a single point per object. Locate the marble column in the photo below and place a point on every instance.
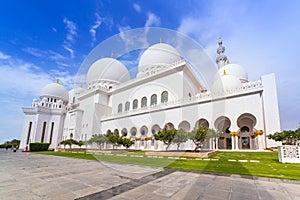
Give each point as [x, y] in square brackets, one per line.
[236, 142]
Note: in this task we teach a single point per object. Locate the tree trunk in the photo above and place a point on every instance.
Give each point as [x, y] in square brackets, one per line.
[167, 147]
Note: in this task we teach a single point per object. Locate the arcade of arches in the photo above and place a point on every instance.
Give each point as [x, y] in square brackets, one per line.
[245, 137]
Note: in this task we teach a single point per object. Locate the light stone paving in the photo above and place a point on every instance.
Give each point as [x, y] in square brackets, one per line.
[33, 176]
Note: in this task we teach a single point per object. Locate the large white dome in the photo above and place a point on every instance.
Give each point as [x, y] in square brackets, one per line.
[235, 70]
[158, 54]
[225, 83]
[55, 90]
[107, 69]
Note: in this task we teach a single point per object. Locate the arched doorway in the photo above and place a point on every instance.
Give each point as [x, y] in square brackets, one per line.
[246, 123]
[184, 125]
[124, 132]
[155, 128]
[133, 132]
[222, 124]
[143, 131]
[169, 126]
[201, 122]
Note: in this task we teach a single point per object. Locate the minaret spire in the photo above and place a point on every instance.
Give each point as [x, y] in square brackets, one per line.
[222, 58]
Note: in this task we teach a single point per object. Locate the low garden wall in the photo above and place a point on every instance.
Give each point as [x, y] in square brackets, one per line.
[289, 154]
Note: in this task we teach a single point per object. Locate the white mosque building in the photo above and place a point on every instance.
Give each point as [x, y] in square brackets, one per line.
[166, 93]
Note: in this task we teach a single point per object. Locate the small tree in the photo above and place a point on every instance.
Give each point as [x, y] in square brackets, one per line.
[70, 142]
[126, 142]
[64, 143]
[198, 136]
[114, 139]
[167, 136]
[99, 140]
[180, 137]
[287, 137]
[80, 143]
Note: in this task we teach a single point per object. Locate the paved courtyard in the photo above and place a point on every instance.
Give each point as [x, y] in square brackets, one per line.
[32, 176]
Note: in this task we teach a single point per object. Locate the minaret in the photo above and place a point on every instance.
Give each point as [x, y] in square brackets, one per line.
[221, 59]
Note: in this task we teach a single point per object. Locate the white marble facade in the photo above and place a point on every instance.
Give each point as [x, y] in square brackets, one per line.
[165, 93]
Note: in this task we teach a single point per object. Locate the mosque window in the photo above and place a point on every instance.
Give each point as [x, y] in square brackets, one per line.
[43, 131]
[164, 97]
[29, 131]
[144, 102]
[51, 132]
[119, 108]
[127, 106]
[135, 104]
[153, 99]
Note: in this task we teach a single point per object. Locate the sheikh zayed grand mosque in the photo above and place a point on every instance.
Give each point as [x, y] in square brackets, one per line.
[166, 93]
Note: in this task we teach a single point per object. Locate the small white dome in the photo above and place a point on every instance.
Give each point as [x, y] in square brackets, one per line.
[235, 70]
[158, 54]
[225, 83]
[108, 69]
[55, 90]
[76, 91]
[35, 100]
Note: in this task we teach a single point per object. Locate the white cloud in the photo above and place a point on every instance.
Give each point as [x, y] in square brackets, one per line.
[47, 54]
[137, 7]
[70, 37]
[152, 20]
[54, 29]
[69, 49]
[20, 78]
[71, 26]
[34, 51]
[95, 26]
[4, 56]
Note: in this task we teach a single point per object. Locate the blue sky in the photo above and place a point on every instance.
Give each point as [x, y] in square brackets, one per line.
[41, 41]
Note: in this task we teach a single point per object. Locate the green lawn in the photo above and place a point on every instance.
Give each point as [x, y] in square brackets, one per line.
[268, 165]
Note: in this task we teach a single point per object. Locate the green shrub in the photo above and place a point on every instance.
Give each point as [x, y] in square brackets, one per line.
[37, 146]
[3, 146]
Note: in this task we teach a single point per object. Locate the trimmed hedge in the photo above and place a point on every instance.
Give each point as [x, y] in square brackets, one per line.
[37, 146]
[3, 146]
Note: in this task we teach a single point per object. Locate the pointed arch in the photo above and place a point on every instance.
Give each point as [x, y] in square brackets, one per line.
[201, 122]
[184, 125]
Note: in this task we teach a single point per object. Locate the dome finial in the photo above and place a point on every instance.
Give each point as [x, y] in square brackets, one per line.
[224, 72]
[112, 55]
[220, 42]
[57, 81]
[160, 40]
[80, 85]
